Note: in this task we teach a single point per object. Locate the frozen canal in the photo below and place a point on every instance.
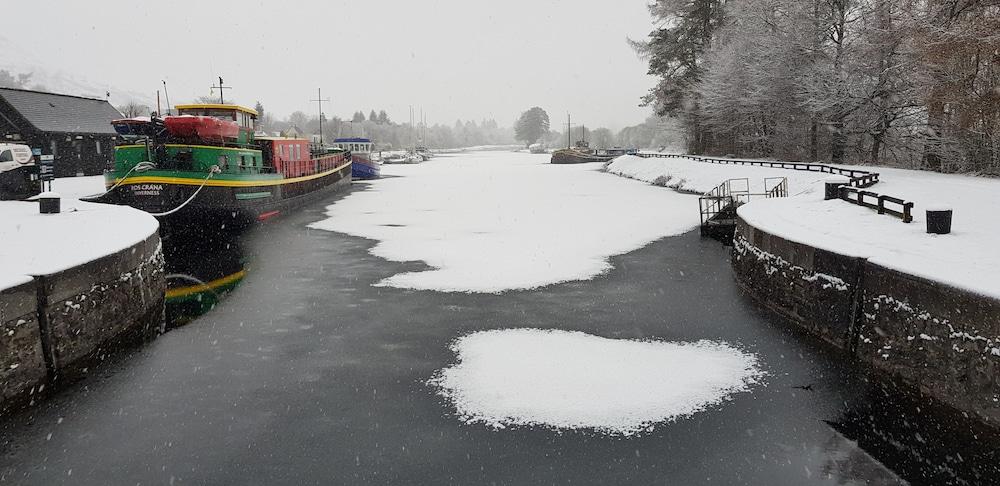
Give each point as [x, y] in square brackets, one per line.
[336, 360]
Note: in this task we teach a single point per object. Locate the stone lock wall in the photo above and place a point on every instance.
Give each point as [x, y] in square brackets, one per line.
[57, 325]
[944, 341]
[939, 340]
[816, 288]
[22, 363]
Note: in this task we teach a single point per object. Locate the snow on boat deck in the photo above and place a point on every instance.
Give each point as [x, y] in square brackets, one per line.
[497, 221]
[967, 258]
[38, 244]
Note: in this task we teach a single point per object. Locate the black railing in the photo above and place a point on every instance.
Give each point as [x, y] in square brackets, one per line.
[858, 178]
[863, 198]
[851, 191]
[735, 192]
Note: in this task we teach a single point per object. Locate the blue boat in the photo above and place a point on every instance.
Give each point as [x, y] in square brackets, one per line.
[363, 166]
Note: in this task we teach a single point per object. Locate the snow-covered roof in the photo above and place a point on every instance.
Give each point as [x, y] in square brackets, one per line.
[52, 112]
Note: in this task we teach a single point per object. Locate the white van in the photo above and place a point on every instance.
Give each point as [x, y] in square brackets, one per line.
[14, 155]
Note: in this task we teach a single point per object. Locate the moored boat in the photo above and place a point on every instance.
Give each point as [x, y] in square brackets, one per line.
[363, 165]
[573, 156]
[580, 154]
[140, 126]
[394, 158]
[202, 172]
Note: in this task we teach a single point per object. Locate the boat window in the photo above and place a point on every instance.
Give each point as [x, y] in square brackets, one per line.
[6, 156]
[223, 161]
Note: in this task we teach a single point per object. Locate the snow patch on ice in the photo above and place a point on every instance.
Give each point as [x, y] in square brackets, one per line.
[492, 221]
[573, 380]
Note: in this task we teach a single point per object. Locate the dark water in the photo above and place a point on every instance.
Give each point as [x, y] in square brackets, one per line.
[202, 267]
[305, 373]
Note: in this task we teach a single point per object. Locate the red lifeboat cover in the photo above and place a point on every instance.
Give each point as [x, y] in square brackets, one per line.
[204, 127]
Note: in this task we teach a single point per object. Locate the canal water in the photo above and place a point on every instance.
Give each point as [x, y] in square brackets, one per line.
[284, 365]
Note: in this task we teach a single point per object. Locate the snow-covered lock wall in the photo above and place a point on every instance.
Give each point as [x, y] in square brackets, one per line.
[939, 340]
[73, 287]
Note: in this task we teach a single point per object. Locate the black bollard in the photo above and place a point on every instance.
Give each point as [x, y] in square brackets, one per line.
[832, 190]
[48, 203]
[939, 221]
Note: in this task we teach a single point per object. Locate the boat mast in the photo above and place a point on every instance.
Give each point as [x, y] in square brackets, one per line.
[165, 93]
[569, 131]
[319, 100]
[220, 87]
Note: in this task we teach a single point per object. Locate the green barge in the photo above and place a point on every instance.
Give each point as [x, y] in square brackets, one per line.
[198, 165]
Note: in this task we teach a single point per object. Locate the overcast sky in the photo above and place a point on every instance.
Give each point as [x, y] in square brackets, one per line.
[468, 59]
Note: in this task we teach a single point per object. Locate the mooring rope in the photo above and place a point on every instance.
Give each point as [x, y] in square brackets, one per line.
[141, 167]
[211, 172]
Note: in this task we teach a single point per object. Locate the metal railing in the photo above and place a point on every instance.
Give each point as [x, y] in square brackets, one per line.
[851, 191]
[733, 193]
[776, 187]
[861, 198]
[858, 178]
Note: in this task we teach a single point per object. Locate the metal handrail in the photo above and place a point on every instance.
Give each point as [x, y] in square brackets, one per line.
[737, 192]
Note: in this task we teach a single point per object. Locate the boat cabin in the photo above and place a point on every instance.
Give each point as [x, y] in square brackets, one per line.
[289, 156]
[245, 118]
[354, 145]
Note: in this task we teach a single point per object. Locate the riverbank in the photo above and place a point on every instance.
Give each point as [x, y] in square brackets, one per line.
[957, 259]
[73, 286]
[921, 309]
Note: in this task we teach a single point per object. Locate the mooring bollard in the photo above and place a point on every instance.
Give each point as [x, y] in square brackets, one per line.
[48, 203]
[832, 190]
[939, 220]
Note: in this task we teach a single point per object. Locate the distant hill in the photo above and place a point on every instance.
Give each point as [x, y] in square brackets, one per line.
[16, 60]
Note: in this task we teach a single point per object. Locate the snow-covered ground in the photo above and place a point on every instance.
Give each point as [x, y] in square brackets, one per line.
[496, 221]
[77, 187]
[686, 175]
[966, 258]
[36, 244]
[563, 379]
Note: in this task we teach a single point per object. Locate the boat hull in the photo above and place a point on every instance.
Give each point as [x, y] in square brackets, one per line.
[574, 157]
[362, 167]
[218, 201]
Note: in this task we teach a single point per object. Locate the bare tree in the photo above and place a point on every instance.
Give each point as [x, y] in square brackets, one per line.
[133, 109]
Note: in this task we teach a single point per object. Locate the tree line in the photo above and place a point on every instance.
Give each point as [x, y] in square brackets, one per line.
[911, 83]
[387, 134]
[534, 126]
